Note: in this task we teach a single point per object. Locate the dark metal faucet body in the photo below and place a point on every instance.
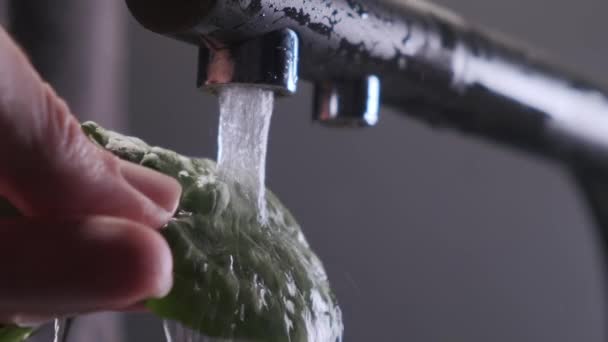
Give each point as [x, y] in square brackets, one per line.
[431, 65]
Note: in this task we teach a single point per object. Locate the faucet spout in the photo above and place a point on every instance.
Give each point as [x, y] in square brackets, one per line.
[269, 62]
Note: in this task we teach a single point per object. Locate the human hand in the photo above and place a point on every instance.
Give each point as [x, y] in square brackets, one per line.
[86, 238]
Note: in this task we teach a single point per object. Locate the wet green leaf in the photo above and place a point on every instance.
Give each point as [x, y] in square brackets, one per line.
[234, 277]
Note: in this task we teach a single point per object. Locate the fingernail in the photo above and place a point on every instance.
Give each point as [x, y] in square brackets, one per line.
[161, 189]
[146, 263]
[164, 267]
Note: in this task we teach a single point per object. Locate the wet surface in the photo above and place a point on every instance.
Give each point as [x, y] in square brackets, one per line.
[235, 277]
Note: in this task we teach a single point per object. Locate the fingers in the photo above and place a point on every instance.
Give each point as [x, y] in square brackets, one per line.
[78, 265]
[48, 167]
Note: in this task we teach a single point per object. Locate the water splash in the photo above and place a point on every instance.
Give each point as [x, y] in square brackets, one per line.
[168, 334]
[62, 329]
[245, 114]
[57, 325]
[176, 332]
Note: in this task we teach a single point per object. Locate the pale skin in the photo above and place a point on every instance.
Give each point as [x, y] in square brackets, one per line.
[88, 236]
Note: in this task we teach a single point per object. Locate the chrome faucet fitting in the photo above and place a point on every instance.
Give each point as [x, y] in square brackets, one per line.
[269, 62]
[347, 103]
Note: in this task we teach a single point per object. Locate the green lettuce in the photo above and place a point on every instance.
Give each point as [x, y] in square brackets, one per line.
[234, 278]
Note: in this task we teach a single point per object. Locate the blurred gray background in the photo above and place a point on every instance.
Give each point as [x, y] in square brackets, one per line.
[426, 235]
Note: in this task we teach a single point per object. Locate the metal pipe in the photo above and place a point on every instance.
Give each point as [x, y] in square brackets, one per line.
[431, 64]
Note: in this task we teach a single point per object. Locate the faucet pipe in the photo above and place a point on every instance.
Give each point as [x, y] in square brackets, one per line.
[431, 64]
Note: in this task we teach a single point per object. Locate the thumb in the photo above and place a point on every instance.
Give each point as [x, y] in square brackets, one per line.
[48, 167]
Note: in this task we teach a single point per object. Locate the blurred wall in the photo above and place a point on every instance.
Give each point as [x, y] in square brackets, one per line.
[79, 48]
[427, 235]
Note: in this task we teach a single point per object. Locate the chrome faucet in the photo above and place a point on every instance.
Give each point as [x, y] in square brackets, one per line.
[416, 57]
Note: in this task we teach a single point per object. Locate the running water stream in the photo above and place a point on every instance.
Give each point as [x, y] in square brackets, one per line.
[245, 114]
[244, 124]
